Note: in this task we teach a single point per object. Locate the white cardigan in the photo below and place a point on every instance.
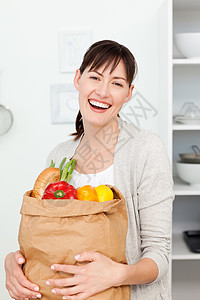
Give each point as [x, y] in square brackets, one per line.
[142, 173]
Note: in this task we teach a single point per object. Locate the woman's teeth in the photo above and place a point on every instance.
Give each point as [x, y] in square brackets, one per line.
[98, 104]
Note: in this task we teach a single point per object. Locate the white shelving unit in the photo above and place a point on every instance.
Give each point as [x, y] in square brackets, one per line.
[185, 76]
[183, 61]
[183, 189]
[180, 251]
[177, 127]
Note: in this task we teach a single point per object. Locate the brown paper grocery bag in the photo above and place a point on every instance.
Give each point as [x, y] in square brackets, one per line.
[54, 231]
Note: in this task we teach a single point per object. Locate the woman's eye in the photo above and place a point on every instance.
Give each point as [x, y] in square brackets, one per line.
[118, 84]
[94, 77]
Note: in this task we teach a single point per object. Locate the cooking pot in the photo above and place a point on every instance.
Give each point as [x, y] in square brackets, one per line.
[191, 157]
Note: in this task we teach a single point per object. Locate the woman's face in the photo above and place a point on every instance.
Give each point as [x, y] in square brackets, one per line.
[101, 93]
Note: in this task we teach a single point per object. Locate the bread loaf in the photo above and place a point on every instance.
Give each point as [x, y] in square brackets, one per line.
[47, 176]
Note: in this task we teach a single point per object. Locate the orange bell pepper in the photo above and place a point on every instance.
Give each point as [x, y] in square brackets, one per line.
[87, 193]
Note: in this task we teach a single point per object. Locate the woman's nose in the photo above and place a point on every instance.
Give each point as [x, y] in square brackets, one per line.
[103, 90]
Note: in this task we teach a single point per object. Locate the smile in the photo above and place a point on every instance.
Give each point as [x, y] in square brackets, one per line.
[97, 104]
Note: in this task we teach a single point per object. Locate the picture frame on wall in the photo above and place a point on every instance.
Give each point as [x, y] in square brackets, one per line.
[72, 46]
[64, 103]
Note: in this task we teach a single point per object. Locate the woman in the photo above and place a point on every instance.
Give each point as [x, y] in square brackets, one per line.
[109, 150]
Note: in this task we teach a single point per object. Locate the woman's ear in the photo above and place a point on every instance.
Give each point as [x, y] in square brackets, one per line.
[129, 95]
[76, 79]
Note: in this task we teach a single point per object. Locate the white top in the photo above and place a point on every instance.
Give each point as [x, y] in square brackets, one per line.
[104, 177]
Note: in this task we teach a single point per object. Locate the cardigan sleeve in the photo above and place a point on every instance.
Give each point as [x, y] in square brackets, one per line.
[155, 198]
[64, 149]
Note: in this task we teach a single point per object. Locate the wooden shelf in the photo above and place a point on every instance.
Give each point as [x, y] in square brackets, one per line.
[186, 61]
[180, 250]
[183, 189]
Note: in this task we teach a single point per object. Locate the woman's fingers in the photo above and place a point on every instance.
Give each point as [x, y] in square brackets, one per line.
[21, 279]
[20, 292]
[67, 291]
[63, 282]
[71, 269]
[88, 279]
[88, 256]
[16, 283]
[65, 268]
[19, 258]
[24, 282]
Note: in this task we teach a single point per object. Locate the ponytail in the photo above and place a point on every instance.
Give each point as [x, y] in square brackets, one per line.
[79, 127]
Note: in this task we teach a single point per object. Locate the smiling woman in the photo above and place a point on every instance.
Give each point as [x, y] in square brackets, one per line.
[102, 91]
[127, 157]
[104, 82]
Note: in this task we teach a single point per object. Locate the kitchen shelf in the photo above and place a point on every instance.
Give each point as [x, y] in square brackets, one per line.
[186, 5]
[183, 189]
[178, 126]
[180, 250]
[185, 75]
[186, 61]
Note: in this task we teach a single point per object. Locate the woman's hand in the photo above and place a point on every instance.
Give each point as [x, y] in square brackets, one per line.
[16, 283]
[99, 274]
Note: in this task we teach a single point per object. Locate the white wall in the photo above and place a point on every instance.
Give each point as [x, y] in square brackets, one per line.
[29, 64]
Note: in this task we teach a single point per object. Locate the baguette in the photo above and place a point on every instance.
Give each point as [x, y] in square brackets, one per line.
[47, 176]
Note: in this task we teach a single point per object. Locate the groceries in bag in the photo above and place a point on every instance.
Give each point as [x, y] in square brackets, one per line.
[55, 230]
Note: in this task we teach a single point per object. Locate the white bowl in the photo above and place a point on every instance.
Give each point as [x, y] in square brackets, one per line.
[189, 173]
[188, 44]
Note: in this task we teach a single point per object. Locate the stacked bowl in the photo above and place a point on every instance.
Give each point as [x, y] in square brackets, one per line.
[188, 168]
[188, 43]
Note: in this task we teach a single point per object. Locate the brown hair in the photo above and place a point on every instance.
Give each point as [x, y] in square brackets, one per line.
[106, 53]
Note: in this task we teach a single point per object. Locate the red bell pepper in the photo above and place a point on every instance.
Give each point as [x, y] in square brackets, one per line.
[62, 189]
